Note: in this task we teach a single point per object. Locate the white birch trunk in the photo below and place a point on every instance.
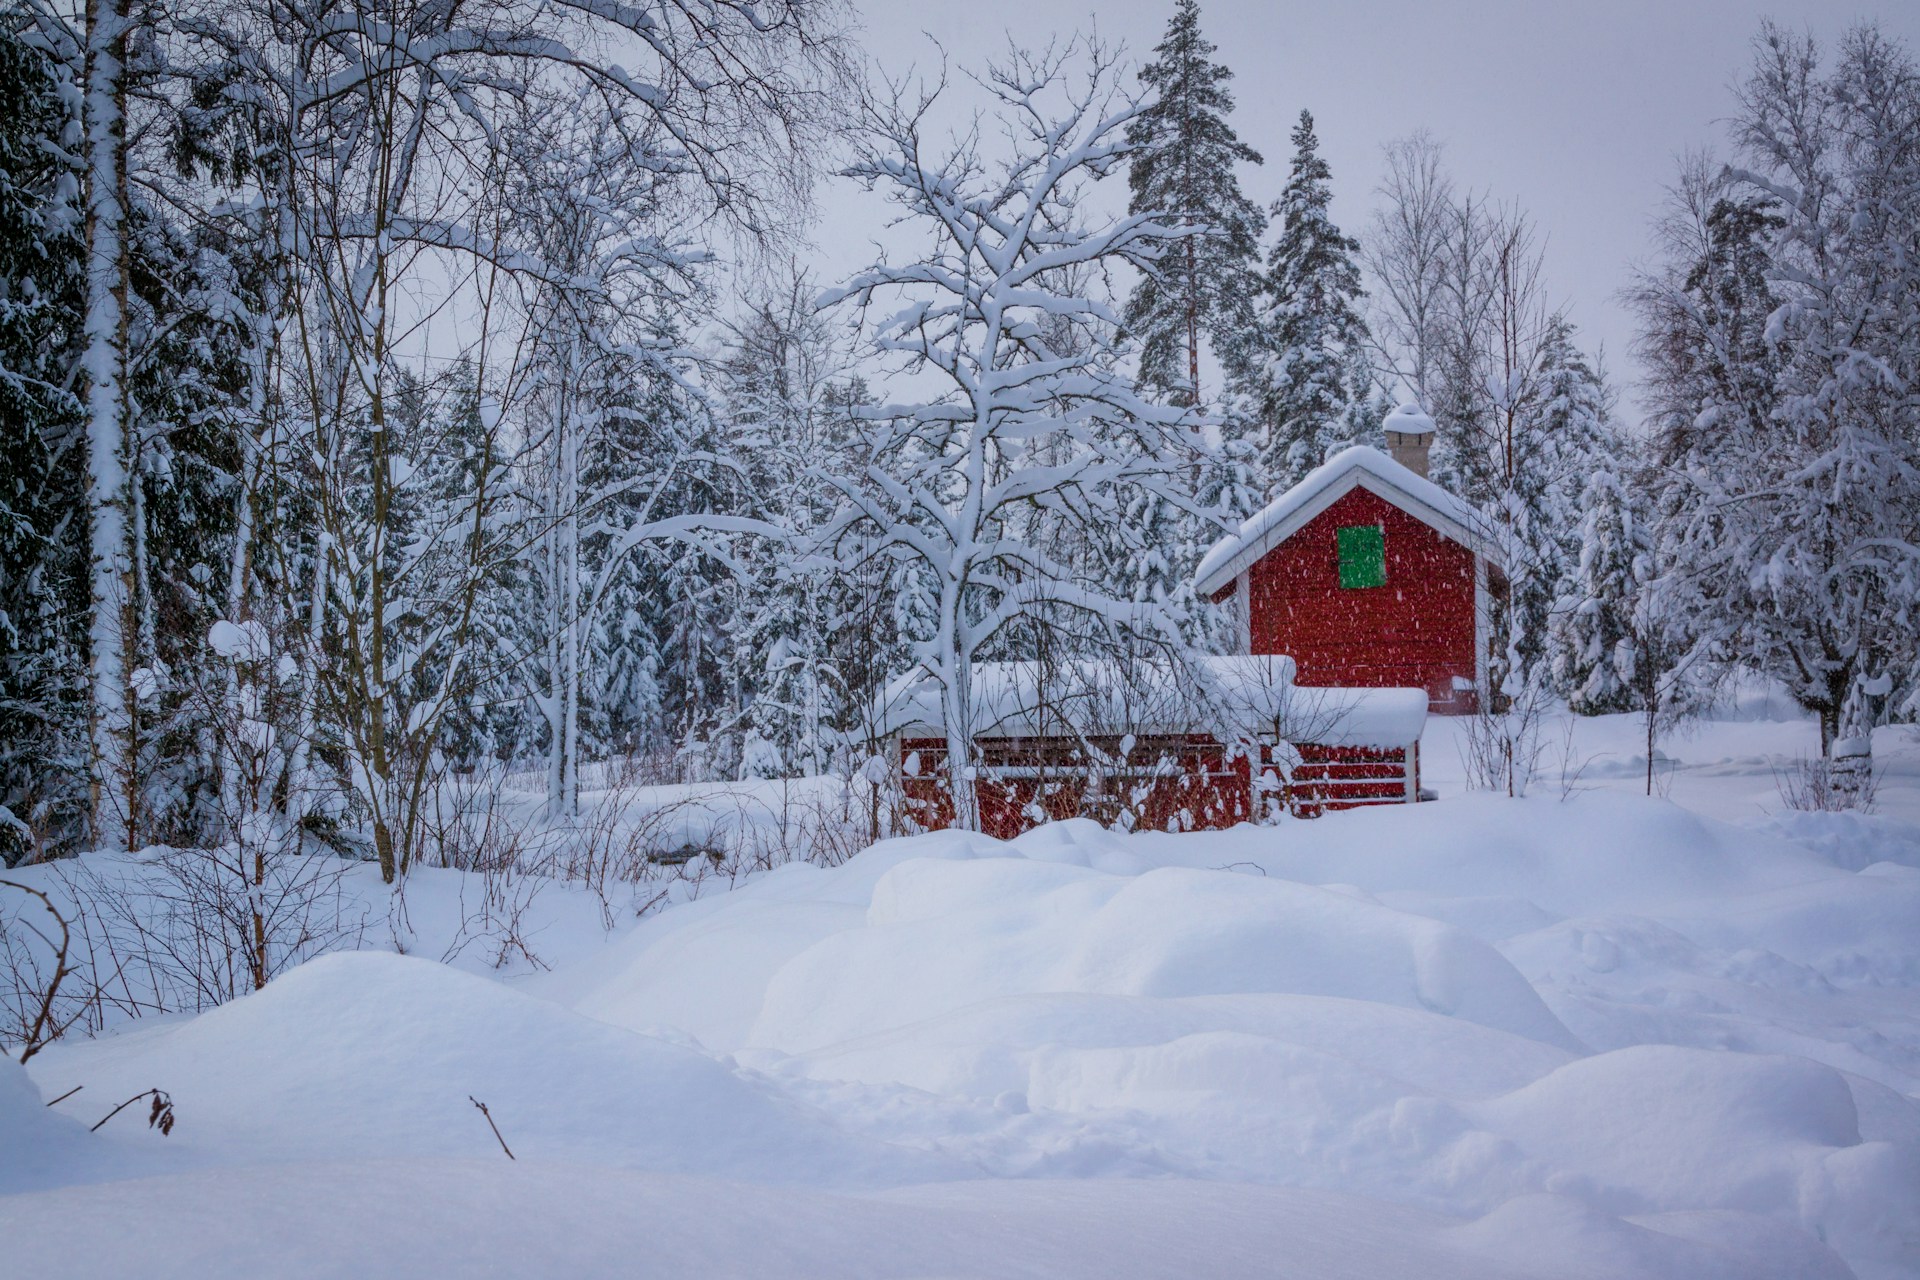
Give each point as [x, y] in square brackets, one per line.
[570, 582]
[556, 691]
[110, 766]
[957, 711]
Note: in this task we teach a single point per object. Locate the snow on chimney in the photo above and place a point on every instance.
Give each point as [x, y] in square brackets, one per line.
[1409, 437]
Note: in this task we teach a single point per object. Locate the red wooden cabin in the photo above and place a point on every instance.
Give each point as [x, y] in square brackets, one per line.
[1157, 750]
[1362, 595]
[1367, 575]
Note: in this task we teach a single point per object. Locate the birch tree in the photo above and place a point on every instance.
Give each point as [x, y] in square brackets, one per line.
[1404, 252]
[103, 362]
[1781, 326]
[1017, 424]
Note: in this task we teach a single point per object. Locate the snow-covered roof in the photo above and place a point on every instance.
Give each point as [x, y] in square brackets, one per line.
[1359, 467]
[1409, 419]
[1362, 717]
[1232, 696]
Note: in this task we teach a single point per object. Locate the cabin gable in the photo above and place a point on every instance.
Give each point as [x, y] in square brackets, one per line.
[1366, 594]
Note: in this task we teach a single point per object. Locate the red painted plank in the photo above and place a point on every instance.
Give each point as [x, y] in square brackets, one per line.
[1416, 631]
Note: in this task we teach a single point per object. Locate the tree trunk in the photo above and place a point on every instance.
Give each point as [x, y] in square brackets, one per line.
[570, 566]
[1193, 320]
[1850, 757]
[1653, 725]
[110, 757]
[957, 711]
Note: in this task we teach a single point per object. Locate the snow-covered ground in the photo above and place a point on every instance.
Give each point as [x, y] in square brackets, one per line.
[1584, 1034]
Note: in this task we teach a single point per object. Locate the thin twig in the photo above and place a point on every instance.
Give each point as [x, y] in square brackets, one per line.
[160, 1117]
[491, 1125]
[43, 1028]
[68, 1094]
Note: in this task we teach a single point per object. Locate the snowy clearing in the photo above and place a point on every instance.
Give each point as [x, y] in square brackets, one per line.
[1582, 1035]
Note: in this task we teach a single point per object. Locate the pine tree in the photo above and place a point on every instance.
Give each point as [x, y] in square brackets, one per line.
[783, 384]
[1568, 437]
[43, 586]
[657, 608]
[1593, 660]
[1314, 328]
[1182, 169]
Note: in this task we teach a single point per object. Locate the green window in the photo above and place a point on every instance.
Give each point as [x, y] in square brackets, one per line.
[1363, 556]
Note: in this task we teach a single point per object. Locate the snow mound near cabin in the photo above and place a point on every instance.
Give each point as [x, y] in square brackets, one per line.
[1586, 854]
[1377, 1003]
[371, 1054]
[1593, 1038]
[955, 934]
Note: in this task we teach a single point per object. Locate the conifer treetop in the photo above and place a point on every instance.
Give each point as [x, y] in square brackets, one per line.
[1313, 326]
[1184, 150]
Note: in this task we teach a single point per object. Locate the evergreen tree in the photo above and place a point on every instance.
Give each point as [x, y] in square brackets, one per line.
[1184, 151]
[1567, 437]
[1593, 661]
[1314, 330]
[185, 378]
[1367, 405]
[656, 645]
[43, 588]
[783, 384]
[1781, 335]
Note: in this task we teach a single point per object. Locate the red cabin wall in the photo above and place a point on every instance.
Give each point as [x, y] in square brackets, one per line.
[1209, 789]
[1416, 631]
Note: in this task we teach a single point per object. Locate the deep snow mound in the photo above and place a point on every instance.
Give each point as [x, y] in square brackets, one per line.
[1376, 1003]
[1584, 854]
[1596, 1037]
[365, 1053]
[37, 1147]
[955, 934]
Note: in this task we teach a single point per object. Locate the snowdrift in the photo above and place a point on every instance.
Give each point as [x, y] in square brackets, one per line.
[1597, 1037]
[37, 1147]
[1487, 1008]
[376, 1054]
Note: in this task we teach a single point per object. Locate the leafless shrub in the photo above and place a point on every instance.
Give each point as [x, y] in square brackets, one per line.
[1810, 786]
[1502, 746]
[30, 991]
[204, 926]
[1570, 768]
[103, 979]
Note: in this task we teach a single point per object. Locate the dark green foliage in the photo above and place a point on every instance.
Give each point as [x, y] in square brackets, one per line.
[43, 591]
[1314, 329]
[1183, 168]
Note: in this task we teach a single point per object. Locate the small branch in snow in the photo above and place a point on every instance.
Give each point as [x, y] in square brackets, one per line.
[159, 1116]
[491, 1125]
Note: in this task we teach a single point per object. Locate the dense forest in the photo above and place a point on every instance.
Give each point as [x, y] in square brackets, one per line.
[397, 394]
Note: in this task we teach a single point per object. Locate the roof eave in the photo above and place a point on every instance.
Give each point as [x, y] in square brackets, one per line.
[1223, 577]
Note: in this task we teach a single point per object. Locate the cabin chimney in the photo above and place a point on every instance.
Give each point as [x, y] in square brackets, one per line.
[1409, 437]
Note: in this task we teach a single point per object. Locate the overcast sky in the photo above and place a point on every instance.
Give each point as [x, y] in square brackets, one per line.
[1576, 111]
